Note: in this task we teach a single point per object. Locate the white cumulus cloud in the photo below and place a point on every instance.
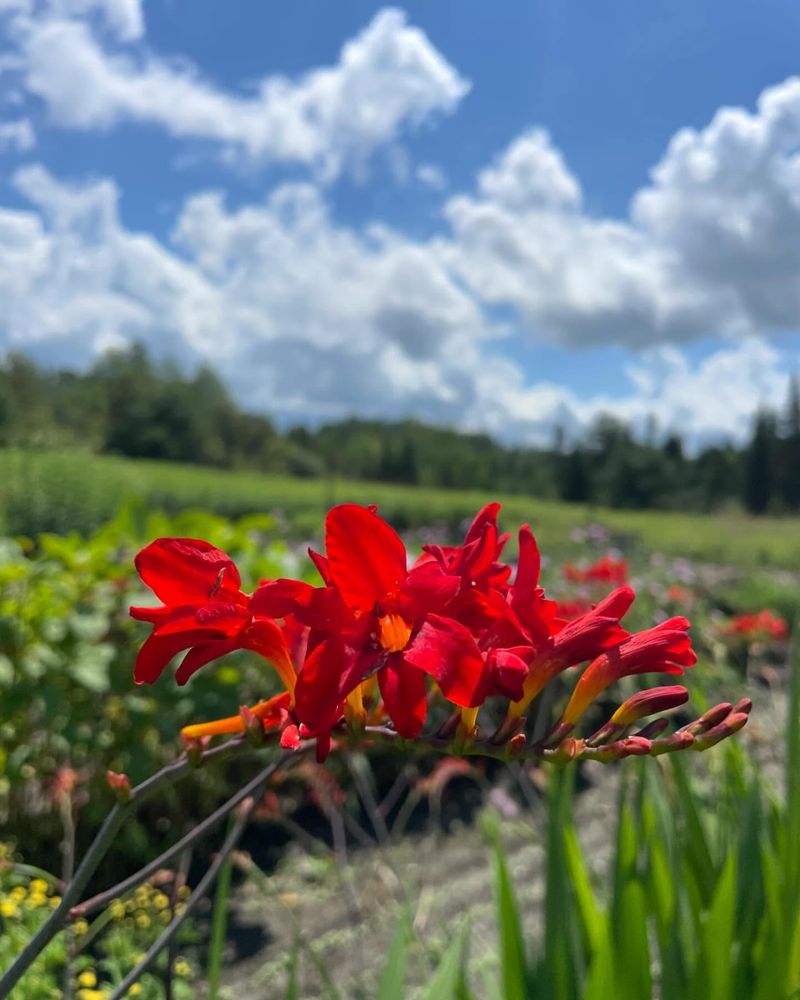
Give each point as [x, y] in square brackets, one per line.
[309, 319]
[710, 245]
[387, 79]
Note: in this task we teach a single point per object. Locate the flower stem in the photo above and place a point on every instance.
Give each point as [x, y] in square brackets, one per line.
[96, 852]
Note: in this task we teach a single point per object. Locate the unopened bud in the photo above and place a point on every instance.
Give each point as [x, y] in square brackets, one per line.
[253, 726]
[195, 747]
[734, 722]
[681, 740]
[517, 744]
[120, 785]
[653, 729]
[559, 732]
[631, 746]
[566, 751]
[634, 746]
[708, 719]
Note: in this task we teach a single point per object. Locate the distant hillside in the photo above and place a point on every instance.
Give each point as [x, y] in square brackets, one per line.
[128, 405]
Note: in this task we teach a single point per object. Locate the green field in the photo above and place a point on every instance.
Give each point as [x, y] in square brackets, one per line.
[57, 491]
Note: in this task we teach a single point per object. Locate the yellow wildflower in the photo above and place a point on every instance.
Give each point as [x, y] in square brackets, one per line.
[18, 893]
[8, 909]
[135, 990]
[87, 978]
[182, 968]
[143, 920]
[81, 927]
[117, 909]
[38, 885]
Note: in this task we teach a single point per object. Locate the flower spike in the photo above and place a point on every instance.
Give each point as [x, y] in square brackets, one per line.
[362, 654]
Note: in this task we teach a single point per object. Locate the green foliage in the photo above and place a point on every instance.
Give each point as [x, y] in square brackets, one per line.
[704, 893]
[101, 953]
[66, 657]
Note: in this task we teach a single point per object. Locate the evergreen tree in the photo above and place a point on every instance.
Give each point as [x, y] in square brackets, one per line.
[759, 466]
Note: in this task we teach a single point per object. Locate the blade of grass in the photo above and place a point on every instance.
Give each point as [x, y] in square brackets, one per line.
[391, 985]
[564, 961]
[512, 953]
[448, 976]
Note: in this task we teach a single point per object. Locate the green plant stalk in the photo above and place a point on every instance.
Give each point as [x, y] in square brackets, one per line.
[94, 855]
[109, 895]
[203, 886]
[219, 926]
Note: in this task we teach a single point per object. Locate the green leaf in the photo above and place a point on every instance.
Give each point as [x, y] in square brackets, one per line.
[632, 950]
[512, 952]
[592, 919]
[450, 972]
[601, 983]
[713, 970]
[393, 977]
[219, 925]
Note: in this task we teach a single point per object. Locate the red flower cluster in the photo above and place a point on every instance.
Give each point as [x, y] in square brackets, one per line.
[379, 638]
[606, 570]
[761, 625]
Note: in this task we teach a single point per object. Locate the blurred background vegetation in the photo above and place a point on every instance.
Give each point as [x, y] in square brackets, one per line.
[127, 405]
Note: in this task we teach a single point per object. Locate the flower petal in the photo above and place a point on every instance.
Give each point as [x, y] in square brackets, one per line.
[186, 570]
[366, 557]
[202, 654]
[446, 650]
[156, 653]
[331, 671]
[404, 695]
[427, 588]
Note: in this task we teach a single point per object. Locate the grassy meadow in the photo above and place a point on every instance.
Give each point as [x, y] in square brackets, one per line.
[79, 491]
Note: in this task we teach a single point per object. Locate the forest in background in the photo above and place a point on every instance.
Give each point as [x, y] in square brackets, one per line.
[127, 404]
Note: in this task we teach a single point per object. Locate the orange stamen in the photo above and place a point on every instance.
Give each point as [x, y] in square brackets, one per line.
[393, 632]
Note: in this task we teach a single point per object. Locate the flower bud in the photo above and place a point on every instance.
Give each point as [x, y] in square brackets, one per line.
[120, 785]
[253, 726]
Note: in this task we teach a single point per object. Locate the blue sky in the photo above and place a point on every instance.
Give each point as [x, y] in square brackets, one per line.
[493, 216]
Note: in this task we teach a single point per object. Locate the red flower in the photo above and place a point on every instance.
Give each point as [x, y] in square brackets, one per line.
[666, 648]
[605, 570]
[466, 674]
[574, 643]
[765, 624]
[480, 598]
[204, 611]
[361, 621]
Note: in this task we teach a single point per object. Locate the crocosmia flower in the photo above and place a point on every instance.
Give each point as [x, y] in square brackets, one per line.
[608, 570]
[366, 650]
[762, 625]
[362, 621]
[203, 611]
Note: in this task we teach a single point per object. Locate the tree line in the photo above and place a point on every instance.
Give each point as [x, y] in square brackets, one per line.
[127, 404]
